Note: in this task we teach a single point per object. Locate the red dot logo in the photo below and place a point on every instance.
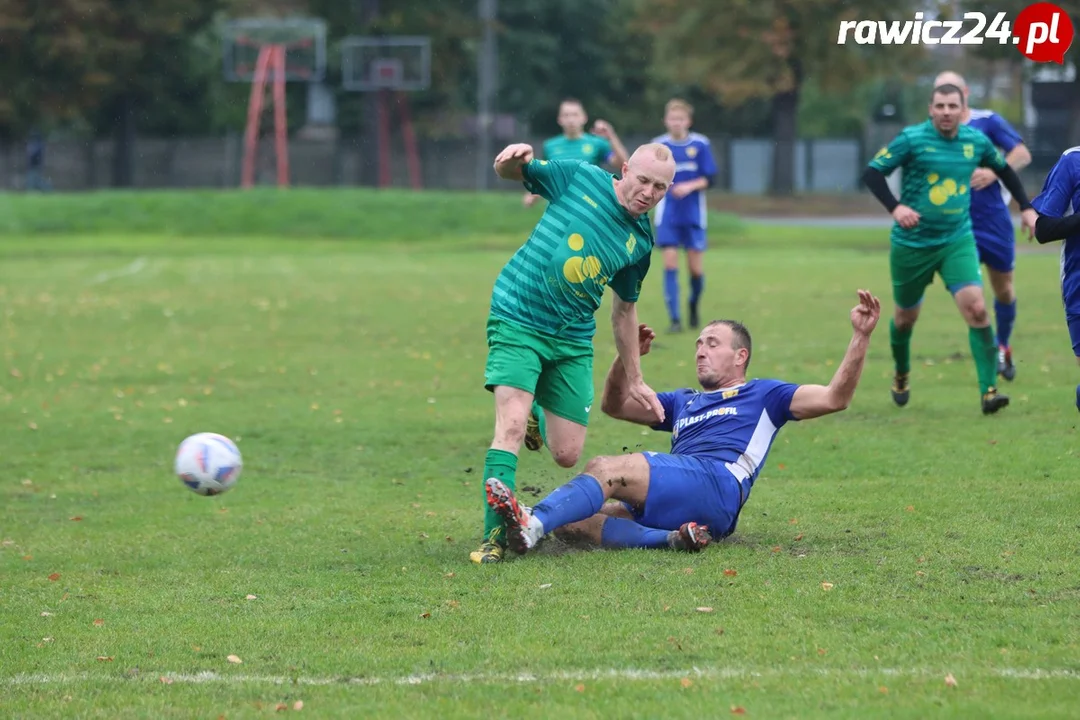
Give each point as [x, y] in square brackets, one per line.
[1043, 32]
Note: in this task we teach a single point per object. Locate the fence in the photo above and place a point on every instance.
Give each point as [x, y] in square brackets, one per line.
[745, 164]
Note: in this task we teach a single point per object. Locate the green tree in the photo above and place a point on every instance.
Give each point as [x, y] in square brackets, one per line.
[766, 49]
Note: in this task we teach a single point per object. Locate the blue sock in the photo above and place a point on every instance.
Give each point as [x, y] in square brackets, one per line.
[1078, 397]
[1006, 316]
[671, 293]
[697, 284]
[622, 533]
[578, 499]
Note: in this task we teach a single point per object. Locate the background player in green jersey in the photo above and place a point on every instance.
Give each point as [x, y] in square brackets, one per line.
[933, 232]
[600, 147]
[594, 233]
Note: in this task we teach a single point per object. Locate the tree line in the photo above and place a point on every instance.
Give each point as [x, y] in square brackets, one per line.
[113, 68]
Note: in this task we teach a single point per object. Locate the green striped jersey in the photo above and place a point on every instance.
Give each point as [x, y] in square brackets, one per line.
[584, 241]
[590, 148]
[936, 174]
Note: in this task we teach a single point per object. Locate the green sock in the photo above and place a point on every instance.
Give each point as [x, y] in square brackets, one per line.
[541, 420]
[901, 347]
[984, 350]
[501, 465]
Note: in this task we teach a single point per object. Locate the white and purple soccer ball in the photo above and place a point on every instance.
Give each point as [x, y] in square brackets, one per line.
[208, 463]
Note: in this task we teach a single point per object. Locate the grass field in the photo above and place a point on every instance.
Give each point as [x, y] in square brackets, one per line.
[882, 550]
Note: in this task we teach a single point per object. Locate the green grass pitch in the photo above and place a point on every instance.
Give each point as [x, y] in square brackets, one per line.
[882, 550]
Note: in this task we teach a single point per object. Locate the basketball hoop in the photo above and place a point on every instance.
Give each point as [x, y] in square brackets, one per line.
[387, 73]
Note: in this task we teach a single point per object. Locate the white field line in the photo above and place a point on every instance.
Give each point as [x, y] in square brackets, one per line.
[134, 268]
[628, 675]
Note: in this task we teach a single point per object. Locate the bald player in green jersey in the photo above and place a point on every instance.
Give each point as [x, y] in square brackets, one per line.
[933, 232]
[600, 147]
[595, 233]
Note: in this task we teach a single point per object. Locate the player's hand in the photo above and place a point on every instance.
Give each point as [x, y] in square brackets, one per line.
[1028, 218]
[680, 190]
[529, 200]
[522, 151]
[865, 315]
[645, 338]
[646, 397]
[983, 177]
[905, 216]
[603, 129]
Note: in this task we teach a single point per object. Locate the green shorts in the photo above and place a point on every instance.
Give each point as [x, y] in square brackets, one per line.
[913, 269]
[559, 373]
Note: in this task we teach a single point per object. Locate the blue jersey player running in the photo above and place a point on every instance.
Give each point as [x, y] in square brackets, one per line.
[720, 438]
[991, 221]
[680, 218]
[1058, 206]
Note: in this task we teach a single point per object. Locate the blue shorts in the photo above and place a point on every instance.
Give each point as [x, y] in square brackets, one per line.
[684, 236]
[995, 238]
[686, 489]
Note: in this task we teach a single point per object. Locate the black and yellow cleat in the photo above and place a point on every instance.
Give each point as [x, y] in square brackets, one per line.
[534, 439]
[992, 401]
[488, 552]
[901, 391]
[1006, 369]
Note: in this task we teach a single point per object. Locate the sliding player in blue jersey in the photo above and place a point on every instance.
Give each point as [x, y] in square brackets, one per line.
[991, 221]
[1058, 206]
[680, 217]
[720, 438]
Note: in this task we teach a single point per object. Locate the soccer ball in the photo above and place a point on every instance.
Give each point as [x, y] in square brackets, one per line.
[208, 463]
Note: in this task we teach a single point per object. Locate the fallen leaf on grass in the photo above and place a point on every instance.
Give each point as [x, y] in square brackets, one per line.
[281, 707]
[950, 681]
[579, 688]
[165, 681]
[821, 651]
[738, 710]
[234, 659]
[793, 521]
[826, 586]
[54, 577]
[46, 614]
[545, 586]
[686, 682]
[99, 622]
[730, 573]
[798, 537]
[104, 658]
[910, 508]
[450, 574]
[883, 690]
[776, 548]
[298, 705]
[920, 573]
[704, 609]
[27, 557]
[77, 518]
[425, 616]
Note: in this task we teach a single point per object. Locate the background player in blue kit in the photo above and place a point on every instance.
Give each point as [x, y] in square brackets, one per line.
[680, 218]
[720, 437]
[991, 222]
[1057, 206]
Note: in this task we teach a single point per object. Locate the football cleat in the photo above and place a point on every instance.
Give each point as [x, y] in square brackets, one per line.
[992, 401]
[901, 391]
[691, 537]
[1005, 368]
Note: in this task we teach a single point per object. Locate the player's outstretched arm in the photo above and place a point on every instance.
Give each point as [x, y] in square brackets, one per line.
[624, 322]
[509, 162]
[1012, 183]
[811, 401]
[616, 401]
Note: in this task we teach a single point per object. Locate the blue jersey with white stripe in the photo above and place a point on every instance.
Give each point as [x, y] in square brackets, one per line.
[735, 426]
[993, 199]
[1060, 197]
[693, 160]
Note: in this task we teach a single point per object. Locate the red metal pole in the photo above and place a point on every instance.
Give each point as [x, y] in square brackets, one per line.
[281, 132]
[411, 154]
[251, 132]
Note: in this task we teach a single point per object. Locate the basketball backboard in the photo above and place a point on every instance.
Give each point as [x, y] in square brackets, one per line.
[385, 63]
[304, 40]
